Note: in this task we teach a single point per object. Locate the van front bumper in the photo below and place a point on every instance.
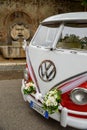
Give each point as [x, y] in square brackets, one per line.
[62, 116]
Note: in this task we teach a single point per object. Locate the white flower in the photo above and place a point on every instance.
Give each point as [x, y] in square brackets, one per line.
[26, 88]
[29, 84]
[55, 96]
[55, 103]
[51, 93]
[51, 100]
[29, 88]
[48, 103]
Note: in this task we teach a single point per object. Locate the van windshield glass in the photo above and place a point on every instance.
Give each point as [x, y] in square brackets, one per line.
[73, 37]
[45, 36]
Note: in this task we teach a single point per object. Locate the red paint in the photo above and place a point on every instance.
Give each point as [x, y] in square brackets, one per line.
[67, 102]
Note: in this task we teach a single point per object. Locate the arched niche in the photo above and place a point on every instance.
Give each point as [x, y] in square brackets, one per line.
[17, 20]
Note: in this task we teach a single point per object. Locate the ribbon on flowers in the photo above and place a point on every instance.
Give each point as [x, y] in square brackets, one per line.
[73, 84]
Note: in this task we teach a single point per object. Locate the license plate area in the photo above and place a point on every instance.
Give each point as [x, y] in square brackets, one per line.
[39, 109]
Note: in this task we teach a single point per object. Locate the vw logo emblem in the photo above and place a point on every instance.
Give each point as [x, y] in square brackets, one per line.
[47, 70]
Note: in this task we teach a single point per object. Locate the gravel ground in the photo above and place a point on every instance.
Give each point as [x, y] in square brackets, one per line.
[7, 75]
[11, 68]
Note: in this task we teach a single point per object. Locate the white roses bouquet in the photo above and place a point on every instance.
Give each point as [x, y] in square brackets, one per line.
[52, 100]
[30, 88]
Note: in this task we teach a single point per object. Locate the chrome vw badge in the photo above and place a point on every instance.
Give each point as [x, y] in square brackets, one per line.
[47, 70]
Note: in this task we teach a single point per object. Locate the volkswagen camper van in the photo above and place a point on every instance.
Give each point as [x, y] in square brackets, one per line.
[55, 77]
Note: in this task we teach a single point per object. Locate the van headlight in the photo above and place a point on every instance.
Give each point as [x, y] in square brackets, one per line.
[79, 96]
[26, 75]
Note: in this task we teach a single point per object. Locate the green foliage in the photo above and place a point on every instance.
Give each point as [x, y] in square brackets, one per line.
[84, 2]
[29, 90]
[71, 39]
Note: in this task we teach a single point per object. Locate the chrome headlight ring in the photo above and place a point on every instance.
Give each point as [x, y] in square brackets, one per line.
[79, 96]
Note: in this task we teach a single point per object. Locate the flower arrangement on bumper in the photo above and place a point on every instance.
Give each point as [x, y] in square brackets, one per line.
[52, 100]
[30, 88]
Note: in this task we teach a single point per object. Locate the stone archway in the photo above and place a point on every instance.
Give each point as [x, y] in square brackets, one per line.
[18, 25]
[17, 16]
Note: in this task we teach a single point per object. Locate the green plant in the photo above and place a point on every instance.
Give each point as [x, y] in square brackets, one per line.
[84, 3]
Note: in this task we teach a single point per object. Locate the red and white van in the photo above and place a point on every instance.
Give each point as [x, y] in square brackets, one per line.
[55, 78]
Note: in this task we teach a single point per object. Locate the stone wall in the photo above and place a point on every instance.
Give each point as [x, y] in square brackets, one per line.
[31, 13]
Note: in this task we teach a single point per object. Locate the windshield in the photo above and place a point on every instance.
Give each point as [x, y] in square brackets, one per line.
[73, 37]
[45, 36]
